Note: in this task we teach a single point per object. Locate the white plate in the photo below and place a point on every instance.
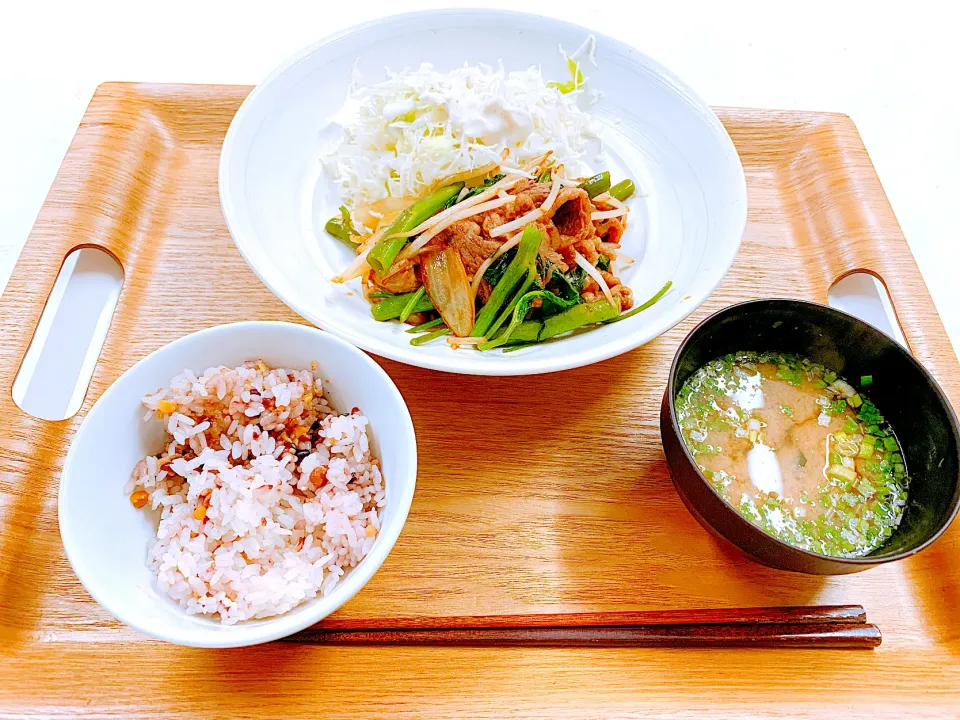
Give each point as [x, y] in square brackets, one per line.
[686, 229]
[106, 538]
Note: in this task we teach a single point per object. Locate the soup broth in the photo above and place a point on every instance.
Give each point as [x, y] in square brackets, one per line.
[796, 450]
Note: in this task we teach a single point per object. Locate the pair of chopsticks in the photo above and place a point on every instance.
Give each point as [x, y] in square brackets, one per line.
[824, 626]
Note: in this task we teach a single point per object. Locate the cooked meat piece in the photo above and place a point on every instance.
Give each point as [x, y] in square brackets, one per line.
[609, 278]
[611, 230]
[403, 280]
[624, 295]
[572, 215]
[550, 231]
[552, 257]
[588, 248]
[528, 200]
[484, 290]
[609, 250]
[491, 219]
[467, 238]
[534, 196]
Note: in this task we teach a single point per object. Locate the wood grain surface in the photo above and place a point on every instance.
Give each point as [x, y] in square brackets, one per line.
[541, 496]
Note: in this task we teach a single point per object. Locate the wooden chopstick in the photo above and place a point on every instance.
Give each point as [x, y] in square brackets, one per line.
[851, 614]
[804, 635]
[826, 626]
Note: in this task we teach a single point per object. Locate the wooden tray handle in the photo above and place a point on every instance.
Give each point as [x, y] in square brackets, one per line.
[120, 209]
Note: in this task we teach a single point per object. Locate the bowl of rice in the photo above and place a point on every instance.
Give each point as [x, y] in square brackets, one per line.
[238, 485]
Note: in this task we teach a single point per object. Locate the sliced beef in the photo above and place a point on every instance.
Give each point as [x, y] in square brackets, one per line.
[403, 280]
[611, 230]
[528, 200]
[468, 239]
[492, 219]
[572, 215]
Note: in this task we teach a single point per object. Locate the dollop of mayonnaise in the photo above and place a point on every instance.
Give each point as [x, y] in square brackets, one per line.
[492, 123]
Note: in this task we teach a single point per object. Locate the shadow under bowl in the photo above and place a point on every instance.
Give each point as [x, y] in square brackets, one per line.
[904, 392]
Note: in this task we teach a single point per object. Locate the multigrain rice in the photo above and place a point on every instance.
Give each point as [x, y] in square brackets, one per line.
[266, 495]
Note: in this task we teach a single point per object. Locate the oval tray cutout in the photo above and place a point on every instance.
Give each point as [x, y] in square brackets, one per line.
[55, 372]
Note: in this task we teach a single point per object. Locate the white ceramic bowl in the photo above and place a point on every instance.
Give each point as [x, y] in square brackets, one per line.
[686, 228]
[106, 538]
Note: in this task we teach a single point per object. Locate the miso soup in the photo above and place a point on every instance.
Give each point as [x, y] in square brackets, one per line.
[796, 450]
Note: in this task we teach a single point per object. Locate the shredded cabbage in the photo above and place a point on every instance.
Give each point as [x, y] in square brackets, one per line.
[402, 136]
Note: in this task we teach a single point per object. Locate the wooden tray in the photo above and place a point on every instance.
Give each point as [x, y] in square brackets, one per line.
[544, 494]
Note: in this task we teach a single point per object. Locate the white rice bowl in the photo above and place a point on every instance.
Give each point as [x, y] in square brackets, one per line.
[110, 543]
[266, 495]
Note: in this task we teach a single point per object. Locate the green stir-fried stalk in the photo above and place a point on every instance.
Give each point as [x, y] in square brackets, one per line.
[422, 339]
[534, 331]
[597, 185]
[425, 326]
[530, 332]
[520, 267]
[412, 303]
[646, 306]
[392, 307]
[522, 307]
[342, 227]
[524, 287]
[383, 254]
[623, 189]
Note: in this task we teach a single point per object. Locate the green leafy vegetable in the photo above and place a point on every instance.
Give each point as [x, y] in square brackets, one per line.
[517, 271]
[523, 306]
[499, 266]
[568, 285]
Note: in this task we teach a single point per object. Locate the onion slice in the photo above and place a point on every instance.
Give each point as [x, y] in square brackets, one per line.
[595, 274]
[446, 282]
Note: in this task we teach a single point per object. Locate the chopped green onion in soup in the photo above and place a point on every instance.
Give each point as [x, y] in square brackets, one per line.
[796, 450]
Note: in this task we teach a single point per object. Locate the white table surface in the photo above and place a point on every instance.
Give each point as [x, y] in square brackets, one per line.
[893, 67]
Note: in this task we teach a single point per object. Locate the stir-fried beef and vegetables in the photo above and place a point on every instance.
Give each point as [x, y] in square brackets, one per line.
[501, 258]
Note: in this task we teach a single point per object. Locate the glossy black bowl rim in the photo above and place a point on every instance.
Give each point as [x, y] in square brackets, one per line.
[806, 304]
